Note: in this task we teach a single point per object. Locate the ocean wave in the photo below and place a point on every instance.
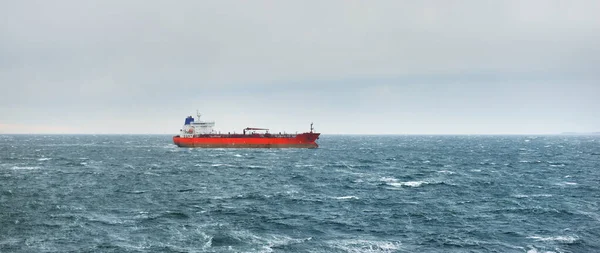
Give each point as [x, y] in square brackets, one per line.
[44, 159]
[26, 168]
[410, 183]
[561, 239]
[222, 165]
[396, 183]
[521, 196]
[365, 246]
[255, 167]
[282, 242]
[566, 183]
[303, 165]
[346, 197]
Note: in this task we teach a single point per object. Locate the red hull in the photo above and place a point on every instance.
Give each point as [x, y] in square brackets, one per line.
[304, 140]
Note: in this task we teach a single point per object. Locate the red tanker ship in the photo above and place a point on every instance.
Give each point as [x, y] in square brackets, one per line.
[200, 134]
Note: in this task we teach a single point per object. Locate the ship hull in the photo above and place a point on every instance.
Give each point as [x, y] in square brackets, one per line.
[305, 140]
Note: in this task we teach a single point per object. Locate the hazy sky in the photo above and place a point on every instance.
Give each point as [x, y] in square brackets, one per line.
[393, 67]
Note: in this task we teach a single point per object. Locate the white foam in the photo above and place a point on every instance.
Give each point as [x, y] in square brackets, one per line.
[395, 182]
[532, 250]
[365, 246]
[566, 183]
[346, 197]
[413, 183]
[303, 165]
[44, 159]
[563, 239]
[446, 171]
[221, 165]
[26, 168]
[388, 179]
[279, 240]
[520, 196]
[238, 155]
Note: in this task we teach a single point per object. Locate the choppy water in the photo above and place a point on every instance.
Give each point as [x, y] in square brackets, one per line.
[354, 194]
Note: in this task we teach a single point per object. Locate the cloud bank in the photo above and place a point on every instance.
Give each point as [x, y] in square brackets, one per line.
[349, 66]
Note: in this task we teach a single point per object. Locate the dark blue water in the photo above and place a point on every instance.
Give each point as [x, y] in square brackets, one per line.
[353, 194]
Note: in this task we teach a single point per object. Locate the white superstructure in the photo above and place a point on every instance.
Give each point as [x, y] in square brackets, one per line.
[196, 126]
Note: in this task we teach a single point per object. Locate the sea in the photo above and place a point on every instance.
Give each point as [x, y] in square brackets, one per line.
[355, 193]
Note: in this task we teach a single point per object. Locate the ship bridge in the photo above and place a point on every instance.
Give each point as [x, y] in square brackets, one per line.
[196, 126]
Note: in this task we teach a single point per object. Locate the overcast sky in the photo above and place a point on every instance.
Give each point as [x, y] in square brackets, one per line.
[363, 67]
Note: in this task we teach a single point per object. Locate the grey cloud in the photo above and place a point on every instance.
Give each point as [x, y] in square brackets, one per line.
[149, 59]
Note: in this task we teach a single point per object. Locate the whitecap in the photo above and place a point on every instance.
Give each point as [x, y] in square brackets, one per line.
[563, 239]
[278, 240]
[446, 171]
[303, 165]
[26, 168]
[409, 183]
[520, 196]
[395, 182]
[532, 250]
[220, 165]
[346, 197]
[413, 183]
[566, 183]
[365, 245]
[237, 155]
[44, 159]
[388, 179]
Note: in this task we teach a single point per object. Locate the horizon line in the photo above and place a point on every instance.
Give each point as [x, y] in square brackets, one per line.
[363, 134]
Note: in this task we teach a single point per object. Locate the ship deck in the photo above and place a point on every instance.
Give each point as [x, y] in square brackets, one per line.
[240, 136]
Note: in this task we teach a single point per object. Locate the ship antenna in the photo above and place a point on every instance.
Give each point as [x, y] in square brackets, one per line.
[311, 127]
[198, 114]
